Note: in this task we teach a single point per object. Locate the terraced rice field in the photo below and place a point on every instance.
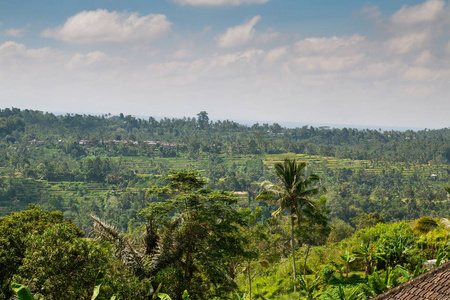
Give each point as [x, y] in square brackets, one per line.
[319, 162]
[148, 167]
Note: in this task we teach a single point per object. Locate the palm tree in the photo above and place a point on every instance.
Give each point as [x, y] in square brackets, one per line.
[293, 193]
[131, 253]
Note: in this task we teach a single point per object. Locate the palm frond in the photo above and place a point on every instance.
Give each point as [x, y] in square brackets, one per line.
[129, 253]
[445, 223]
[425, 224]
[167, 250]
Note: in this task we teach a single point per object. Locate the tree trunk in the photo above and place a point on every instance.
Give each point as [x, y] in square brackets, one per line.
[249, 282]
[306, 260]
[293, 254]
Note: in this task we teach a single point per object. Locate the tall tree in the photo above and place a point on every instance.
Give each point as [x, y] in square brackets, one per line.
[293, 193]
[199, 236]
[203, 119]
[16, 231]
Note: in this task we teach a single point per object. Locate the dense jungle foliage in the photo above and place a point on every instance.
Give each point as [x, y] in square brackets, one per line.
[117, 194]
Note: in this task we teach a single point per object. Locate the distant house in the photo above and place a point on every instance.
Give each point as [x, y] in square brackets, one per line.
[35, 142]
[83, 142]
[120, 141]
[168, 145]
[434, 284]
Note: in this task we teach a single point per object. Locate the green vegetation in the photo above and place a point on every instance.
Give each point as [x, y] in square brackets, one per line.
[116, 195]
[293, 194]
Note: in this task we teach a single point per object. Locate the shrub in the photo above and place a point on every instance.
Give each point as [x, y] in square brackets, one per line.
[327, 273]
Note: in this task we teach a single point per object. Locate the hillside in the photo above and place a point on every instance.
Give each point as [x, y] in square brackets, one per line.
[136, 175]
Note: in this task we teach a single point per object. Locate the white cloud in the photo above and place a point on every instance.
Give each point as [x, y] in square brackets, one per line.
[447, 48]
[328, 63]
[418, 90]
[233, 58]
[219, 2]
[424, 12]
[238, 35]
[15, 54]
[103, 27]
[328, 45]
[20, 64]
[417, 27]
[268, 36]
[92, 59]
[179, 54]
[425, 75]
[205, 30]
[424, 58]
[15, 32]
[408, 42]
[10, 48]
[40, 63]
[377, 70]
[87, 59]
[276, 54]
[184, 51]
[158, 70]
[212, 66]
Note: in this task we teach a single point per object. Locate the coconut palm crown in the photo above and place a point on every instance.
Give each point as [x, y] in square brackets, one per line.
[294, 190]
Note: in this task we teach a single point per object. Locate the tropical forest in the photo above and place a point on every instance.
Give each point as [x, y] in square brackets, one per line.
[125, 207]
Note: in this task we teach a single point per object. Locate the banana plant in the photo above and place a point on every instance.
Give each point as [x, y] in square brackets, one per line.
[309, 289]
[380, 285]
[388, 279]
[186, 295]
[395, 250]
[347, 258]
[352, 296]
[404, 272]
[163, 296]
[22, 291]
[239, 297]
[440, 256]
[98, 283]
[368, 254]
[341, 295]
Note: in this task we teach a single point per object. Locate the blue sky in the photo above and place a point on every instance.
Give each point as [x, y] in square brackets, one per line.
[380, 63]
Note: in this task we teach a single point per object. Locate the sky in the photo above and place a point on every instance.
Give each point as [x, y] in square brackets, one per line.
[368, 63]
